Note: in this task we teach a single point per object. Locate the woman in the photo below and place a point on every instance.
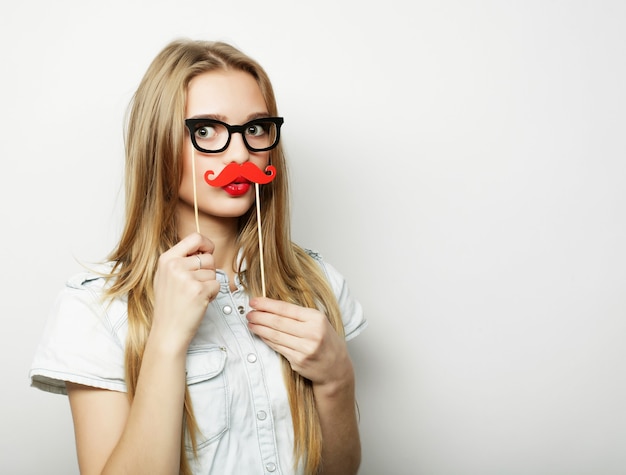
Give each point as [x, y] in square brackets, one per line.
[173, 359]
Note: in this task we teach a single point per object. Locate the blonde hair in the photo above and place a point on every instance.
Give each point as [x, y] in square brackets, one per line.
[154, 143]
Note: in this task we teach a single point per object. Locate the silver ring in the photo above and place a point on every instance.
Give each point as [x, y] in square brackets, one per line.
[199, 261]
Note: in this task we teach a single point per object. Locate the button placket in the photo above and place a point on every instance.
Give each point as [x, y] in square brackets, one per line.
[260, 399]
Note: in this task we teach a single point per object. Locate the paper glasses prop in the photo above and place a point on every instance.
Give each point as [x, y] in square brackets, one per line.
[213, 136]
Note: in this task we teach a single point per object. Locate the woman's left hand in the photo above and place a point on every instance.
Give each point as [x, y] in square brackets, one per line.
[305, 337]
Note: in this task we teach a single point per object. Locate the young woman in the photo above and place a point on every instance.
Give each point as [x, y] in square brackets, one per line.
[173, 360]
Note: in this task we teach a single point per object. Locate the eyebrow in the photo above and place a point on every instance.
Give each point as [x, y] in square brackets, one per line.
[256, 115]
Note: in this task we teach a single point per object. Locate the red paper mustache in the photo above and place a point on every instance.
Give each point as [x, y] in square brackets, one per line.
[247, 170]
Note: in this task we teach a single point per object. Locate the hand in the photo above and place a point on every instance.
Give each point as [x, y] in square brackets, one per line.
[305, 337]
[184, 284]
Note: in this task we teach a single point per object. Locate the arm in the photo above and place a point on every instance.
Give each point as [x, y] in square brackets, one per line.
[313, 348]
[336, 406]
[116, 436]
[113, 436]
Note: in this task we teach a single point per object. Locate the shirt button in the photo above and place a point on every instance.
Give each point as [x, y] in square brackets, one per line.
[241, 309]
[271, 467]
[261, 415]
[227, 309]
[251, 358]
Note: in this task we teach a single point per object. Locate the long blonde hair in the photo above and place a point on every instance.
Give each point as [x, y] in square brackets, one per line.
[154, 143]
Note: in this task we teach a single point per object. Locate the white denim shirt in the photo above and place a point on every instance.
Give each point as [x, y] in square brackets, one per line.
[235, 379]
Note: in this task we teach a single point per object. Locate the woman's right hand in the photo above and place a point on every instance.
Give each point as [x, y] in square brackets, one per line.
[115, 435]
[184, 284]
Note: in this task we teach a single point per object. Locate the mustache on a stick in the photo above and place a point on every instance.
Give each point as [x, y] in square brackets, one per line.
[247, 170]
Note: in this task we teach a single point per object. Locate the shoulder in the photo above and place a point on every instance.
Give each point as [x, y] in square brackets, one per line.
[351, 310]
[84, 301]
[88, 290]
[336, 280]
[84, 310]
[83, 339]
[334, 277]
[94, 278]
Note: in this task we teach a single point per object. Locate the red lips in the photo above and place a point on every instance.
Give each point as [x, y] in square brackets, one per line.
[238, 187]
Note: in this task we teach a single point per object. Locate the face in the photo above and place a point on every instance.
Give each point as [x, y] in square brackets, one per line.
[233, 97]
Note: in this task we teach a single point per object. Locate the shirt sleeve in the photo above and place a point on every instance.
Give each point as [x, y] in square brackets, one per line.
[354, 321]
[81, 341]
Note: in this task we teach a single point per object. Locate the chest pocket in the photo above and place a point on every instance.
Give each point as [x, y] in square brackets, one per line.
[208, 388]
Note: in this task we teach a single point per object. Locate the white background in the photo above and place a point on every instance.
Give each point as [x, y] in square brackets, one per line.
[461, 162]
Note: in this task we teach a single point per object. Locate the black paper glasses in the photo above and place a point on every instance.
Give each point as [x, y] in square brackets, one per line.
[213, 136]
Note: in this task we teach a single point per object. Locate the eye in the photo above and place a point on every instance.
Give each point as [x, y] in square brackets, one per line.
[206, 132]
[255, 130]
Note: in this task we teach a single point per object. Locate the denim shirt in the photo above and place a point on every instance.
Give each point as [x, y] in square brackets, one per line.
[235, 380]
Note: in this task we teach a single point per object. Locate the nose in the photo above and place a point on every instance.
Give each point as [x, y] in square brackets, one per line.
[237, 150]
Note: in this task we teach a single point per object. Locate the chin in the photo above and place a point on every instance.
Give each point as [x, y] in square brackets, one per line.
[231, 210]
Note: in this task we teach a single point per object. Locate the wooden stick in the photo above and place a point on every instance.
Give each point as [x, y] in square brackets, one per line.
[258, 223]
[195, 190]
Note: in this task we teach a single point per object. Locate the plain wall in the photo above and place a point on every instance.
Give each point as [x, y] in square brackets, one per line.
[462, 163]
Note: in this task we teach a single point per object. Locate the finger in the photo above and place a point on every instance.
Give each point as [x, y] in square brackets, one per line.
[207, 290]
[276, 322]
[214, 289]
[287, 352]
[205, 275]
[279, 307]
[294, 356]
[201, 260]
[194, 262]
[276, 338]
[192, 244]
